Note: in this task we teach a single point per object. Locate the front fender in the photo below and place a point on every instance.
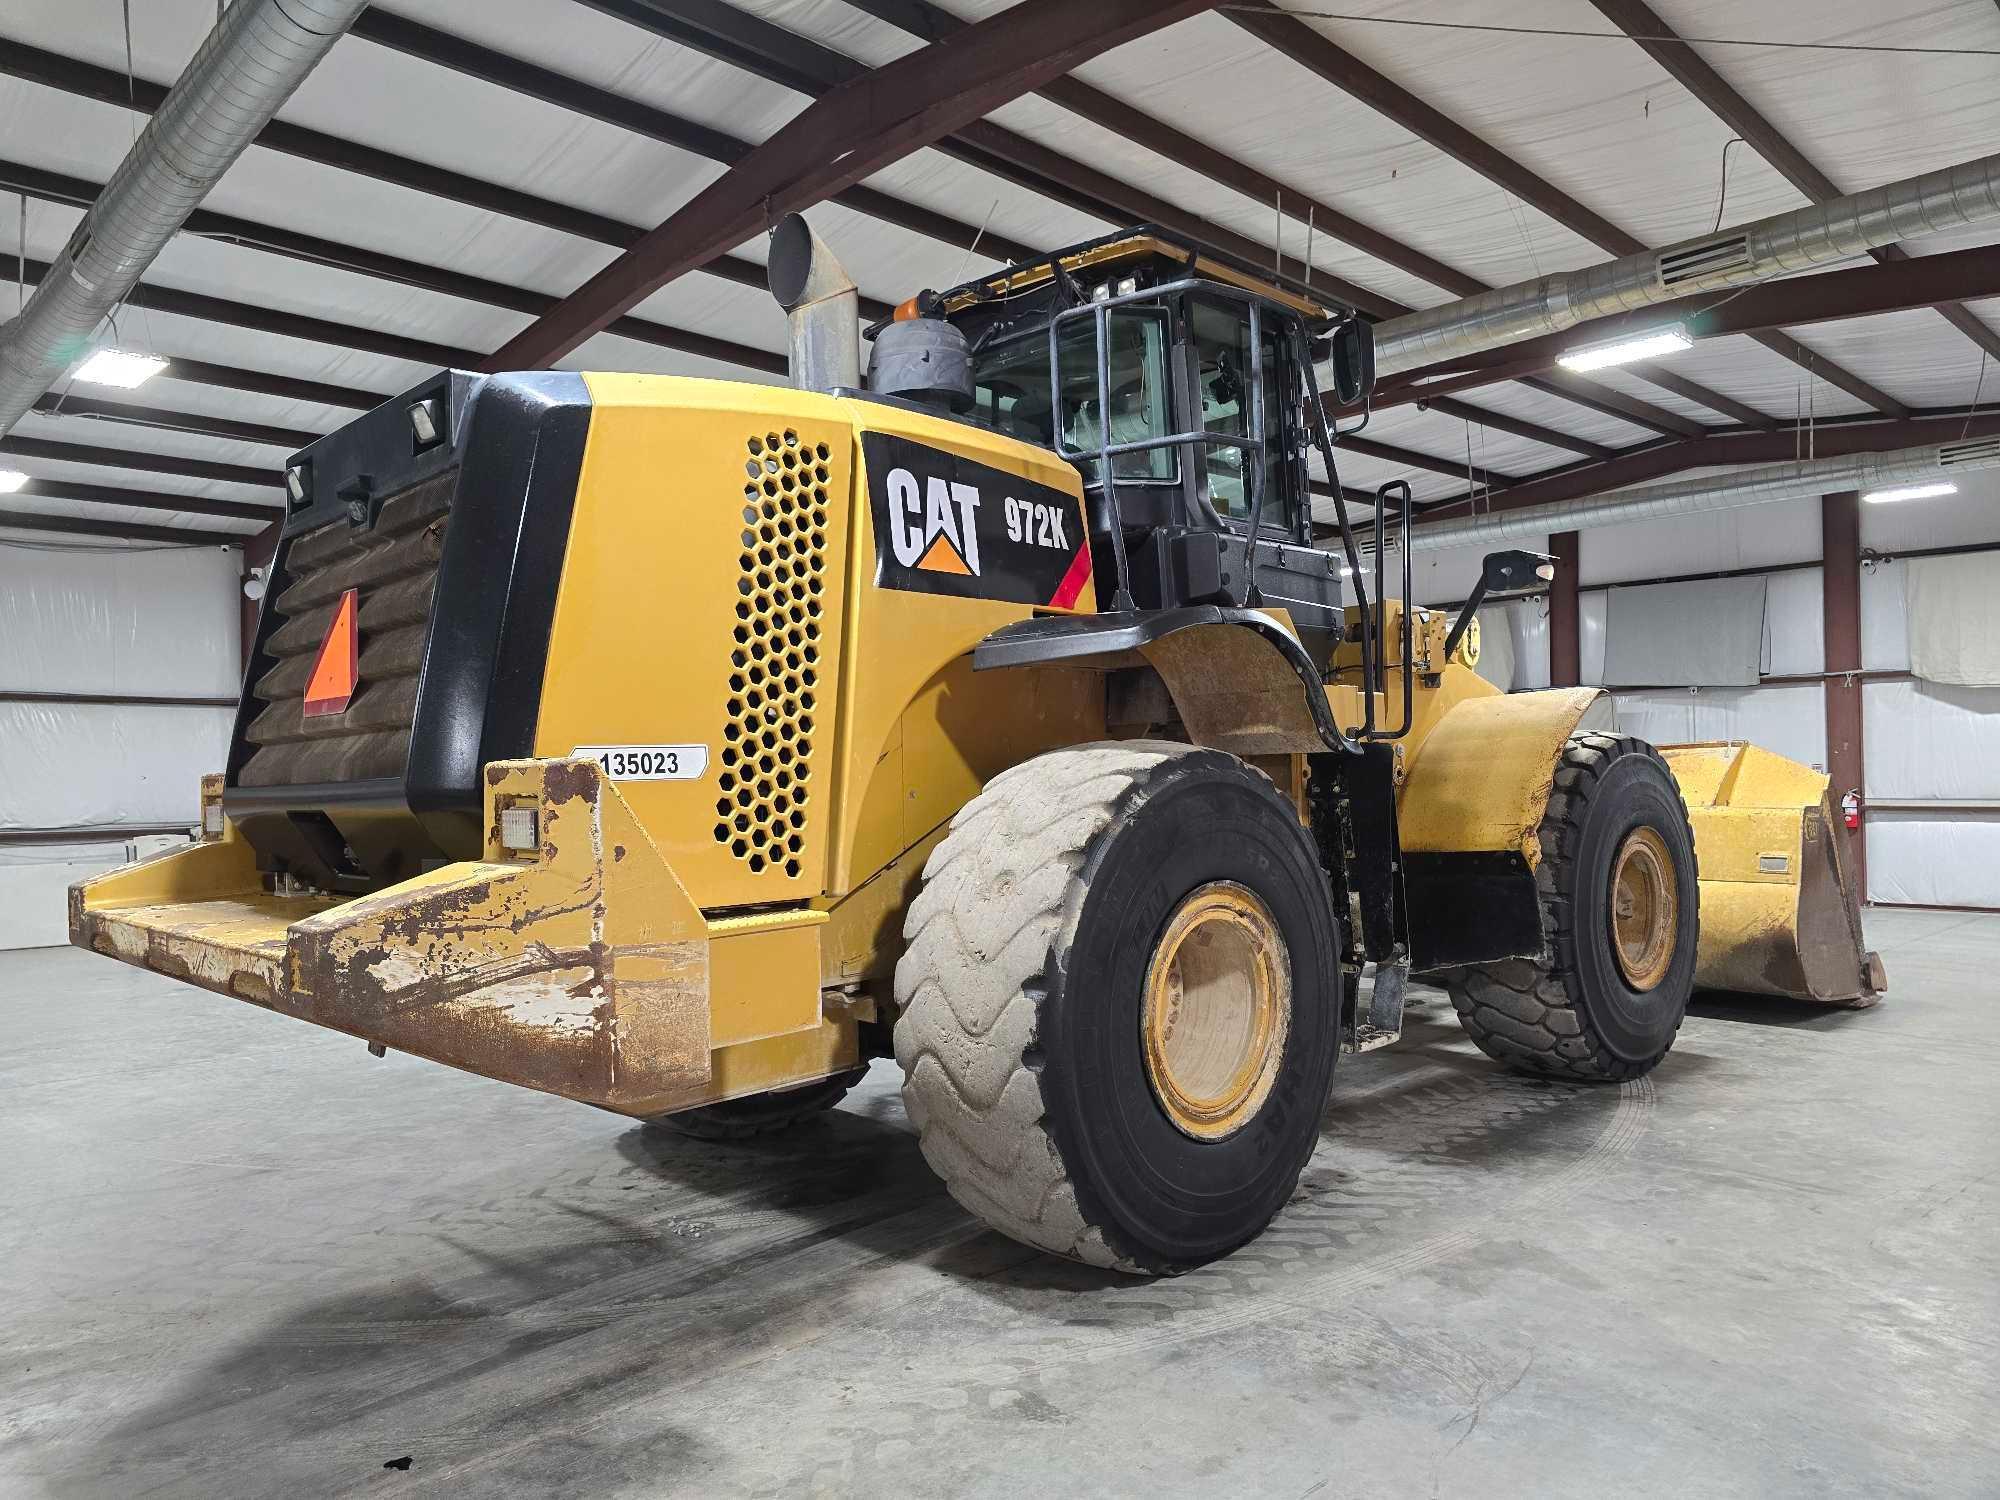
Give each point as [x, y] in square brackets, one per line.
[1469, 812]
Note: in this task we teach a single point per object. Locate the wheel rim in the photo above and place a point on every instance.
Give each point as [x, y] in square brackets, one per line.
[1645, 908]
[1216, 1010]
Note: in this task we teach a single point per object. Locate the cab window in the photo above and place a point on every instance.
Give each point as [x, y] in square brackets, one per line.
[1221, 336]
[1011, 389]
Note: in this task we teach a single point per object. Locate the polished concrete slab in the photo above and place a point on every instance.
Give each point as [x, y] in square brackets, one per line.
[240, 1257]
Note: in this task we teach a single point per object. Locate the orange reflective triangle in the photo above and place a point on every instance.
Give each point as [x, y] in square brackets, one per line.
[943, 558]
[336, 669]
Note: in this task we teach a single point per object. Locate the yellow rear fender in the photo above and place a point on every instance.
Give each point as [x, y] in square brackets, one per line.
[1239, 678]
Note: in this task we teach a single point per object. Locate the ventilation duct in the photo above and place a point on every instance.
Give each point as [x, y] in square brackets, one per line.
[1777, 246]
[258, 53]
[1727, 491]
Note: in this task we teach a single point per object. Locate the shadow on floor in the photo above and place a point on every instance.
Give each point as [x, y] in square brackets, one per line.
[691, 1253]
[688, 1241]
[1775, 1010]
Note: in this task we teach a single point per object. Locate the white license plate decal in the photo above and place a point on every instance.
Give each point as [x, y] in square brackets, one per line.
[647, 762]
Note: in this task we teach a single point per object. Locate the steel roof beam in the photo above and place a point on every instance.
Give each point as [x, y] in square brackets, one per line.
[129, 531]
[206, 308]
[428, 44]
[162, 419]
[1410, 458]
[779, 56]
[1534, 432]
[263, 383]
[146, 463]
[1607, 402]
[1348, 73]
[1687, 68]
[56, 187]
[1657, 461]
[106, 494]
[1899, 285]
[843, 137]
[67, 75]
[933, 23]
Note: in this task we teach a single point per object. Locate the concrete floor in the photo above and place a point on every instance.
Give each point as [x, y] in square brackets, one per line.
[240, 1257]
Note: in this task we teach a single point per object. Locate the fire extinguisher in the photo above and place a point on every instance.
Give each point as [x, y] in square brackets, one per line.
[1850, 810]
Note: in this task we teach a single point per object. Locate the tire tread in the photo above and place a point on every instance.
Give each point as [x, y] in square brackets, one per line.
[1531, 1014]
[977, 940]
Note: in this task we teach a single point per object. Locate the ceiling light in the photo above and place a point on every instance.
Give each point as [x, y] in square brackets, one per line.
[1624, 351]
[120, 368]
[1913, 492]
[11, 480]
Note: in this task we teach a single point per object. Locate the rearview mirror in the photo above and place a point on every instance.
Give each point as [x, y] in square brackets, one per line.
[1353, 355]
[1501, 573]
[1515, 572]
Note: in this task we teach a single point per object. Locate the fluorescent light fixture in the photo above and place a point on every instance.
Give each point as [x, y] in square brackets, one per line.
[1912, 492]
[120, 368]
[1623, 351]
[11, 480]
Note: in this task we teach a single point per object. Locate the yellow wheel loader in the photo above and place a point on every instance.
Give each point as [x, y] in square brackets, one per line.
[679, 746]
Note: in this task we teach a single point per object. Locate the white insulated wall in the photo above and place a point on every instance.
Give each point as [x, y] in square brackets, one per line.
[152, 622]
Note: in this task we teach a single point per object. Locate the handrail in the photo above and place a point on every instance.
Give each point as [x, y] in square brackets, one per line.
[1319, 430]
[1256, 447]
[1408, 642]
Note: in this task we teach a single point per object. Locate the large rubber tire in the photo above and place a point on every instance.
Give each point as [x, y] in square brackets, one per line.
[1020, 992]
[761, 1114]
[1572, 1012]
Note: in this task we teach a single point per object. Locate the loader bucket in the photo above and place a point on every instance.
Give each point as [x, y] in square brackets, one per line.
[1780, 908]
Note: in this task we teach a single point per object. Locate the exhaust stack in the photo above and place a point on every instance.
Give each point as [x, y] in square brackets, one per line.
[820, 299]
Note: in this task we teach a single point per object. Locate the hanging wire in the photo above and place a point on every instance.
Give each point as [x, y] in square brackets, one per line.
[109, 545]
[1607, 36]
[132, 115]
[1978, 386]
[1521, 223]
[1722, 191]
[978, 235]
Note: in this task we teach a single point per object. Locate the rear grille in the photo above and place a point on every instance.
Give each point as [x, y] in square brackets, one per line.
[767, 736]
[394, 567]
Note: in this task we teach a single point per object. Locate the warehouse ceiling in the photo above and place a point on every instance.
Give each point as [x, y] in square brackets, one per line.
[453, 169]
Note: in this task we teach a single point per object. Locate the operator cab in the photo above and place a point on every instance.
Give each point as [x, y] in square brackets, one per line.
[1198, 406]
